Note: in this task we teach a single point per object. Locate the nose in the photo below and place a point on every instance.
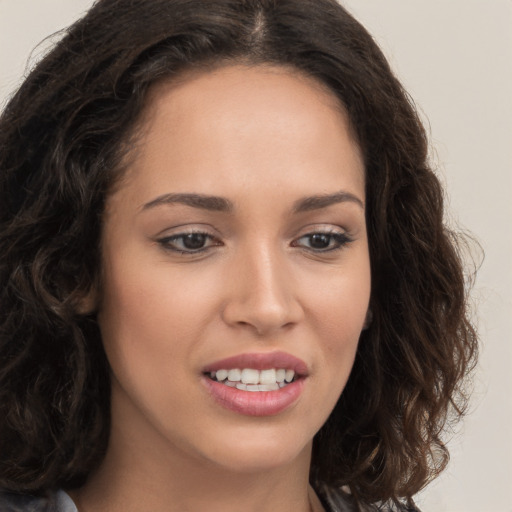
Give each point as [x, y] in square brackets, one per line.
[262, 294]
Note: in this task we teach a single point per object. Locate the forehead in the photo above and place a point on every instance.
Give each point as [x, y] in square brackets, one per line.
[221, 77]
[212, 129]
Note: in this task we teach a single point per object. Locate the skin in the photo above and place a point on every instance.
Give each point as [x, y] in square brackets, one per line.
[262, 138]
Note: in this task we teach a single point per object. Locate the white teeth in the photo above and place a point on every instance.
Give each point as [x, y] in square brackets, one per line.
[250, 376]
[269, 387]
[249, 379]
[280, 374]
[261, 387]
[222, 375]
[234, 375]
[267, 376]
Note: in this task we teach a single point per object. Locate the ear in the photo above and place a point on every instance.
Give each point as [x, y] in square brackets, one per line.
[89, 303]
[368, 319]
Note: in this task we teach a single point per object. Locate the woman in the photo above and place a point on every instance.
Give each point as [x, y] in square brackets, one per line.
[226, 282]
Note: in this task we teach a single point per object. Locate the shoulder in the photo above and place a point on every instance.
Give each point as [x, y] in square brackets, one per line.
[51, 502]
[338, 500]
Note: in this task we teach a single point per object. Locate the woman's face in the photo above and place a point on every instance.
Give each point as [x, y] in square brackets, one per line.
[235, 241]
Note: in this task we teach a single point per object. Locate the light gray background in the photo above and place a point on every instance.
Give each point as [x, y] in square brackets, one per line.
[455, 58]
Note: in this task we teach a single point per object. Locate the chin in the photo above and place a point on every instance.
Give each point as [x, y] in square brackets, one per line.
[260, 452]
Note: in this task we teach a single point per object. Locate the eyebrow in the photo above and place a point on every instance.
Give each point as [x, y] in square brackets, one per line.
[323, 201]
[204, 202]
[221, 204]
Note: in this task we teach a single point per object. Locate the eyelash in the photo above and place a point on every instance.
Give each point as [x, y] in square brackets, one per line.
[168, 243]
[341, 240]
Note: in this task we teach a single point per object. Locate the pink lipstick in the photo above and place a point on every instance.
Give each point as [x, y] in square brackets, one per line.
[256, 384]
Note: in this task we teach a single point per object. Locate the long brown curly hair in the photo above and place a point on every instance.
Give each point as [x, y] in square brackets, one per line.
[63, 137]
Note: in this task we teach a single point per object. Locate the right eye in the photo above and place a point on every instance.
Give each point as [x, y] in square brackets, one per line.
[188, 243]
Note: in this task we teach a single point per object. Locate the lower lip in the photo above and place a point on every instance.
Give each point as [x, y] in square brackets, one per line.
[255, 403]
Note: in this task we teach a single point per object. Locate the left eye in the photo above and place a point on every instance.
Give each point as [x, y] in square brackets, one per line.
[322, 242]
[188, 242]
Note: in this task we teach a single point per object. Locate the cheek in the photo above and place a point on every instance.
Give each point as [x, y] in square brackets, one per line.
[340, 307]
[151, 297]
[149, 330]
[154, 314]
[341, 301]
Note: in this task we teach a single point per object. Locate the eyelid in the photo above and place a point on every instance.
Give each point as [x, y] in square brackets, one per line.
[168, 239]
[342, 237]
[165, 240]
[186, 228]
[328, 229]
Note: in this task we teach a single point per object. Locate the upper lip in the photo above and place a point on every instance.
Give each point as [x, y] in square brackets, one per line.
[260, 361]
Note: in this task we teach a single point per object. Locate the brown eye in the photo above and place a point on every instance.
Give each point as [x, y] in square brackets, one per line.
[319, 241]
[194, 241]
[322, 242]
[188, 243]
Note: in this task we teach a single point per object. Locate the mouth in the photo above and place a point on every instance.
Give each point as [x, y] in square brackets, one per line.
[251, 379]
[260, 384]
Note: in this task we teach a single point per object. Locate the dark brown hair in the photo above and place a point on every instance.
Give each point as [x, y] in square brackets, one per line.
[62, 140]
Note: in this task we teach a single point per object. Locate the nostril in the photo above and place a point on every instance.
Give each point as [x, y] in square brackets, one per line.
[262, 318]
